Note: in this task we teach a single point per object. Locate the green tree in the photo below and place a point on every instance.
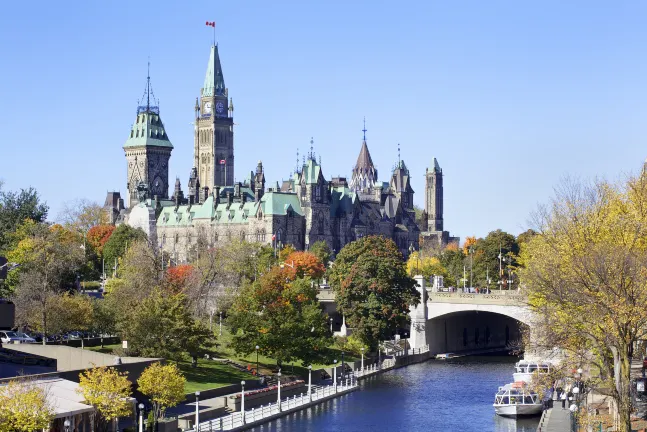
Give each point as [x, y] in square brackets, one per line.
[50, 259]
[103, 320]
[164, 386]
[372, 288]
[162, 326]
[81, 214]
[322, 251]
[24, 407]
[108, 391]
[15, 208]
[280, 315]
[116, 246]
[453, 261]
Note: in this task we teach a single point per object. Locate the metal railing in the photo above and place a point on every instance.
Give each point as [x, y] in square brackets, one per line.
[254, 415]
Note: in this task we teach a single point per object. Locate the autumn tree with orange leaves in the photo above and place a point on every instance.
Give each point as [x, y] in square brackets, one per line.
[177, 277]
[303, 264]
[281, 314]
[98, 235]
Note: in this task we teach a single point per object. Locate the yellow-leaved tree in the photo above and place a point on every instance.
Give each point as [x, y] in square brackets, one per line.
[164, 385]
[24, 407]
[586, 276]
[108, 390]
[428, 266]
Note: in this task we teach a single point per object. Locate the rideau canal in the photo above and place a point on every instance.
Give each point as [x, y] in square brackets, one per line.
[454, 395]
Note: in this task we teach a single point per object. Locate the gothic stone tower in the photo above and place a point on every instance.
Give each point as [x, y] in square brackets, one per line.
[148, 150]
[214, 129]
[434, 197]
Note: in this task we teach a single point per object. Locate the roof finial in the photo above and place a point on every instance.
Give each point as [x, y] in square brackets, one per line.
[296, 169]
[148, 85]
[364, 130]
[399, 155]
[312, 153]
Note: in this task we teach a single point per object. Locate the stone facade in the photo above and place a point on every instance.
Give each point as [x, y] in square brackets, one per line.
[305, 209]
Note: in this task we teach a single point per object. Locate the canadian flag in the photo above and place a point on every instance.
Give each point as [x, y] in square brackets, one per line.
[211, 23]
[273, 237]
[222, 161]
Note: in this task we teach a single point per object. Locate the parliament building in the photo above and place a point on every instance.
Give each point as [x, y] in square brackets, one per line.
[215, 208]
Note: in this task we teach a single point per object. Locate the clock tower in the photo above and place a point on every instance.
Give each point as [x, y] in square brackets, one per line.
[214, 128]
[148, 150]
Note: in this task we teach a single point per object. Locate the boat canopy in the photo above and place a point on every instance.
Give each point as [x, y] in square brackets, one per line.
[530, 367]
[516, 393]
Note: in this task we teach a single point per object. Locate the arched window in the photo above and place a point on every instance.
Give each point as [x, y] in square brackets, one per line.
[320, 224]
[228, 235]
[177, 238]
[242, 235]
[263, 236]
[163, 239]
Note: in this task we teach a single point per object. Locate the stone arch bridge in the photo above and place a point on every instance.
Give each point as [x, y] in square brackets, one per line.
[466, 322]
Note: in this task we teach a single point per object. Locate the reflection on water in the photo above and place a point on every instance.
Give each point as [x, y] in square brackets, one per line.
[454, 395]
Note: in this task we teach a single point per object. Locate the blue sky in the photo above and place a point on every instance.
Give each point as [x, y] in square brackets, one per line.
[509, 96]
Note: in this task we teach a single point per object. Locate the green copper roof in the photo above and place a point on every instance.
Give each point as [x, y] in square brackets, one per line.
[148, 130]
[343, 200]
[311, 171]
[278, 203]
[214, 82]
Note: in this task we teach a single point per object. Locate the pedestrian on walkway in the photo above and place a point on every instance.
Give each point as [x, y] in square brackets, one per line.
[563, 398]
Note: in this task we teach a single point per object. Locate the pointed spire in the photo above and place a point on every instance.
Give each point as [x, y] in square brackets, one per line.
[436, 166]
[214, 82]
[364, 130]
[144, 104]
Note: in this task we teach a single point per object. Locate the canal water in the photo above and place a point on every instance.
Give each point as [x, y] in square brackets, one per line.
[454, 395]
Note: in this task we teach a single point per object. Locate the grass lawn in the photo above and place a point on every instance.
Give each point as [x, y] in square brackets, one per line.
[210, 374]
[268, 366]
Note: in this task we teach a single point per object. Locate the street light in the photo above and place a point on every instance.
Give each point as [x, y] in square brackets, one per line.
[141, 417]
[197, 408]
[257, 347]
[310, 383]
[343, 368]
[362, 349]
[242, 399]
[330, 325]
[278, 376]
[66, 423]
[335, 375]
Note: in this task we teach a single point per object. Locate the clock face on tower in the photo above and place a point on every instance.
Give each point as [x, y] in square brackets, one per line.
[220, 107]
[207, 108]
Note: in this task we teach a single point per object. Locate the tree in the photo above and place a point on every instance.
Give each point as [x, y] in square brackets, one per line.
[81, 214]
[118, 242]
[586, 276]
[285, 251]
[282, 316]
[164, 386]
[469, 242]
[372, 288]
[98, 236]
[425, 265]
[15, 208]
[108, 391]
[103, 320]
[162, 326]
[50, 259]
[322, 251]
[24, 407]
[303, 264]
[177, 277]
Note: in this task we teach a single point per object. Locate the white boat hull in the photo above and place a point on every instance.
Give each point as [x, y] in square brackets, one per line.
[522, 376]
[518, 410]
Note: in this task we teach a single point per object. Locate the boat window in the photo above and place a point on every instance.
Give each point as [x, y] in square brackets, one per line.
[527, 400]
[532, 368]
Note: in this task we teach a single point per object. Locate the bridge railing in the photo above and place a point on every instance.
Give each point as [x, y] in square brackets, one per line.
[503, 297]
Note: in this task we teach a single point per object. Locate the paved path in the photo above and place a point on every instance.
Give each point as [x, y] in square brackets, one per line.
[557, 420]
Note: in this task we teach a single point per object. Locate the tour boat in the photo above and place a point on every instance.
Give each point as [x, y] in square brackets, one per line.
[523, 370]
[516, 399]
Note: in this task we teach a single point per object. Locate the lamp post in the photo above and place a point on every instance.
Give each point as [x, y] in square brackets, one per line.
[343, 368]
[66, 423]
[197, 410]
[278, 375]
[330, 325]
[379, 356]
[362, 349]
[471, 251]
[334, 382]
[257, 347]
[242, 400]
[141, 417]
[310, 383]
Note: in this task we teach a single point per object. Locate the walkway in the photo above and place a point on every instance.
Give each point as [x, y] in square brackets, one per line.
[555, 420]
